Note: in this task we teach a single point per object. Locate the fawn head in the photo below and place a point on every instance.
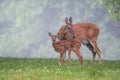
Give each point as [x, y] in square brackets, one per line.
[53, 37]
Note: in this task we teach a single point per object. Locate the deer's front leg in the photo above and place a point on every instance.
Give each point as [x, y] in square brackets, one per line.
[61, 58]
[64, 56]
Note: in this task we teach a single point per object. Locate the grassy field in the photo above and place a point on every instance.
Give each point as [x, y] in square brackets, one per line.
[48, 69]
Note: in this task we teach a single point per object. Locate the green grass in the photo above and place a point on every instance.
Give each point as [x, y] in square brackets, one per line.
[49, 69]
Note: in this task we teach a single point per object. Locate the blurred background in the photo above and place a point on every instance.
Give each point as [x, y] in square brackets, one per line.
[24, 26]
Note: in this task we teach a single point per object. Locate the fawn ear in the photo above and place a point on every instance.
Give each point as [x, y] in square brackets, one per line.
[49, 33]
[66, 20]
[70, 20]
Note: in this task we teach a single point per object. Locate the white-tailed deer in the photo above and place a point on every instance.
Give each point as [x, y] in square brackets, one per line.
[87, 33]
[63, 45]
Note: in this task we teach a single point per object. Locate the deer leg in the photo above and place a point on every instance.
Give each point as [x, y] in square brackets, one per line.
[61, 58]
[64, 56]
[94, 55]
[91, 48]
[69, 55]
[97, 51]
[93, 59]
[64, 60]
[99, 56]
[78, 54]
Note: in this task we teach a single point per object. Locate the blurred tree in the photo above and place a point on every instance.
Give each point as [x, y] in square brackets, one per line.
[113, 7]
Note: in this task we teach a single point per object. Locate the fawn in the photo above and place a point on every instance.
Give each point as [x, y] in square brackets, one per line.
[62, 45]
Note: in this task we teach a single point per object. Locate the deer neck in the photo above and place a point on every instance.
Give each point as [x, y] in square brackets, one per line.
[55, 46]
[54, 42]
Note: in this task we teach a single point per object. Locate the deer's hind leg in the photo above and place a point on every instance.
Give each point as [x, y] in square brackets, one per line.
[97, 50]
[78, 54]
[91, 48]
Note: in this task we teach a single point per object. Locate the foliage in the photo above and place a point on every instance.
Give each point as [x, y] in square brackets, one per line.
[113, 7]
[48, 69]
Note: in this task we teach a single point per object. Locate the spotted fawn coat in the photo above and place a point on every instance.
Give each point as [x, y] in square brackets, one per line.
[63, 45]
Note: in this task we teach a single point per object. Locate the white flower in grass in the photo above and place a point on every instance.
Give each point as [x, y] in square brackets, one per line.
[47, 70]
[68, 67]
[45, 67]
[19, 70]
[60, 64]
[118, 70]
[69, 72]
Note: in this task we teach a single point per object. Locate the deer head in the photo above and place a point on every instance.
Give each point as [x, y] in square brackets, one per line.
[67, 29]
[53, 37]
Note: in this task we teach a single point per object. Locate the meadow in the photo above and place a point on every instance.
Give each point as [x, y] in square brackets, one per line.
[49, 69]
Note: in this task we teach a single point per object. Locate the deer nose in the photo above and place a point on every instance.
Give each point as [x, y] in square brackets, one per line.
[69, 26]
[53, 40]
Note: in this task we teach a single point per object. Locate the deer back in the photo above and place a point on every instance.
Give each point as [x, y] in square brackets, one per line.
[81, 31]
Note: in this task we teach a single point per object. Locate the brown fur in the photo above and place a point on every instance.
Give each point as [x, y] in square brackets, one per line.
[84, 31]
[63, 45]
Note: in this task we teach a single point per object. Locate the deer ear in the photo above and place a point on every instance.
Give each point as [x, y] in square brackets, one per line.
[66, 20]
[49, 34]
[57, 33]
[70, 20]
